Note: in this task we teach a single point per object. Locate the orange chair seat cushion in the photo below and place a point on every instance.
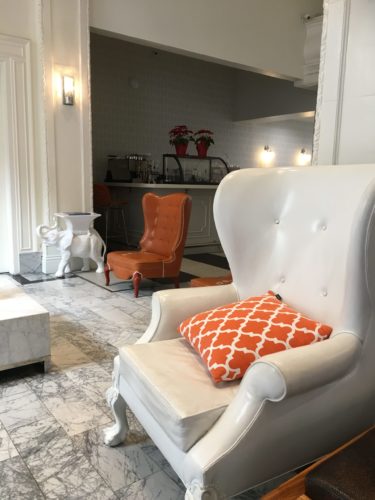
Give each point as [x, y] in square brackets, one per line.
[231, 337]
[127, 263]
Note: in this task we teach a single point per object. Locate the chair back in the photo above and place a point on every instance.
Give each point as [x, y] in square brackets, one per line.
[102, 195]
[306, 233]
[166, 220]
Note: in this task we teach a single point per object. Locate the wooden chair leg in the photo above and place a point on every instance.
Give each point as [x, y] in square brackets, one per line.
[136, 282]
[106, 274]
[177, 282]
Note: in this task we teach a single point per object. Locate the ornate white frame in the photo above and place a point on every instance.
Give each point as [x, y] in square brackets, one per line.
[335, 72]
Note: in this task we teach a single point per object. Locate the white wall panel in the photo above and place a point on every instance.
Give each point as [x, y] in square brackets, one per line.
[360, 61]
[357, 144]
[346, 97]
[17, 158]
[54, 148]
[19, 18]
[65, 28]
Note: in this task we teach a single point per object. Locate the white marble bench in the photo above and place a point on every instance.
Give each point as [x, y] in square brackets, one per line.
[24, 328]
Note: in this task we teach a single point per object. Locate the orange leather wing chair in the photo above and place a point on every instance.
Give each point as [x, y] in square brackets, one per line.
[166, 220]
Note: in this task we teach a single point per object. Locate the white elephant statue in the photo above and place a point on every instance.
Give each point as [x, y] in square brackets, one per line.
[88, 246]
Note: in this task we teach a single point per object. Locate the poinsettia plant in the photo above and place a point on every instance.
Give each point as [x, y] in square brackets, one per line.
[180, 135]
[204, 136]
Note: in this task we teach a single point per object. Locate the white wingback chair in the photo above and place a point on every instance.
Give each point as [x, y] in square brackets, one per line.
[308, 234]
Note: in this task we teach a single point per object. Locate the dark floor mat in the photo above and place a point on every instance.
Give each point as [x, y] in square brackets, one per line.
[184, 278]
[209, 258]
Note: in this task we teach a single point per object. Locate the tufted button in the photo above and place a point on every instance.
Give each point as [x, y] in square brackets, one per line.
[277, 221]
[324, 227]
[324, 292]
[282, 279]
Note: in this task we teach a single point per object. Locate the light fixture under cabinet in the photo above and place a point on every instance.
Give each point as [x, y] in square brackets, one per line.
[267, 156]
[304, 158]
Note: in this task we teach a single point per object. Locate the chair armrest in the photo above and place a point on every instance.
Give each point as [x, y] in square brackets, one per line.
[305, 368]
[170, 307]
[275, 377]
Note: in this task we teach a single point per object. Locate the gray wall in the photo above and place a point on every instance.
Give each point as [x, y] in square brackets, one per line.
[174, 90]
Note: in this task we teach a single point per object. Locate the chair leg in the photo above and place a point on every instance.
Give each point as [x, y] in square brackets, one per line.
[136, 282]
[106, 274]
[196, 492]
[116, 434]
[177, 282]
[106, 225]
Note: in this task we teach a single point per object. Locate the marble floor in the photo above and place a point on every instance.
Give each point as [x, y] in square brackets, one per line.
[51, 424]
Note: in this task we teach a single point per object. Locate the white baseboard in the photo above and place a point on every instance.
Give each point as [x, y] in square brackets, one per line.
[50, 259]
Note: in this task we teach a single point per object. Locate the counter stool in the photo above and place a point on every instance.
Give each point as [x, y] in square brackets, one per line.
[103, 203]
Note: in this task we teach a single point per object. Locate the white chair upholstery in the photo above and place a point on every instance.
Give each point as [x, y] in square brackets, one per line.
[189, 406]
[307, 233]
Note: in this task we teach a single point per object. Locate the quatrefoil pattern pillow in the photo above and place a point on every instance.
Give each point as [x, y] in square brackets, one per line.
[231, 337]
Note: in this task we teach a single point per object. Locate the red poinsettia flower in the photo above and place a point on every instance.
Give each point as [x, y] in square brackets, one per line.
[204, 135]
[180, 134]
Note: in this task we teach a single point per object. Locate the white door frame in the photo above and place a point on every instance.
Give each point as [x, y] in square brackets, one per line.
[6, 253]
[19, 192]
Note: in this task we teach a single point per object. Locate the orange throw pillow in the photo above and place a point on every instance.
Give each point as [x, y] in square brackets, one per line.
[231, 337]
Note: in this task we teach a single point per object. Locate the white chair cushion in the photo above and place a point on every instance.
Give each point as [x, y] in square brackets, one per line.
[173, 383]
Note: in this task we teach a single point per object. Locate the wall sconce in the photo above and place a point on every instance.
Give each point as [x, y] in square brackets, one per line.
[267, 156]
[68, 90]
[304, 158]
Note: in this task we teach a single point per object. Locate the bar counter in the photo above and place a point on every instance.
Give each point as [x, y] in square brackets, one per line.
[175, 187]
[202, 230]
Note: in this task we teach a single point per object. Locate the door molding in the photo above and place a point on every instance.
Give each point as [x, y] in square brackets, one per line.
[327, 128]
[19, 154]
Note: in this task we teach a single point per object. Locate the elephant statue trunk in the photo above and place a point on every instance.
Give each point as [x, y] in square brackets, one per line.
[42, 231]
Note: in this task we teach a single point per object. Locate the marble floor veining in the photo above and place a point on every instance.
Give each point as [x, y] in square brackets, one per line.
[51, 443]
